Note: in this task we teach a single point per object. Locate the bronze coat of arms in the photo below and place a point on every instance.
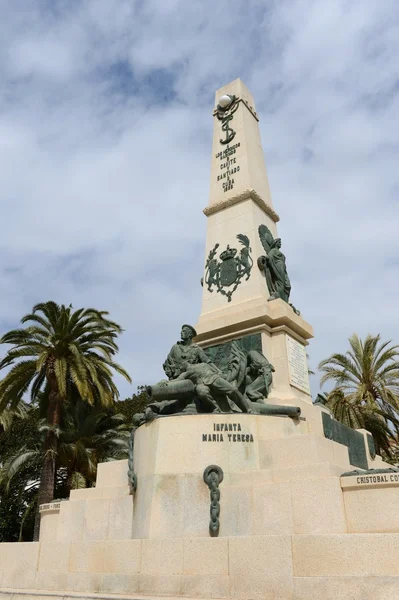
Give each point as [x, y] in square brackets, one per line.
[230, 269]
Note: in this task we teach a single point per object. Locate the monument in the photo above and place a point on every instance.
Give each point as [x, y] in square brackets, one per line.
[236, 485]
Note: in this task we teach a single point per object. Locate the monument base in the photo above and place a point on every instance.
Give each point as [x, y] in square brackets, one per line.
[290, 527]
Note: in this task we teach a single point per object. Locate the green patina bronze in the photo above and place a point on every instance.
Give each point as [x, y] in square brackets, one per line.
[220, 354]
[259, 376]
[213, 476]
[211, 389]
[245, 363]
[230, 269]
[356, 472]
[234, 377]
[248, 367]
[131, 476]
[273, 263]
[352, 439]
[184, 351]
[294, 412]
[225, 114]
[170, 398]
[138, 419]
[166, 390]
[371, 445]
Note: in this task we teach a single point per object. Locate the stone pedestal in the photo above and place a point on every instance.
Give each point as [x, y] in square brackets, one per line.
[283, 335]
[290, 525]
[172, 453]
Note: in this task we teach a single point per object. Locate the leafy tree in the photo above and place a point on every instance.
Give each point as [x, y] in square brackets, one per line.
[8, 415]
[131, 406]
[18, 496]
[63, 354]
[17, 510]
[88, 435]
[366, 391]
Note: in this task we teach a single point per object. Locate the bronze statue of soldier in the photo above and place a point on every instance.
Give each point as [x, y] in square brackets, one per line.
[259, 376]
[210, 383]
[184, 351]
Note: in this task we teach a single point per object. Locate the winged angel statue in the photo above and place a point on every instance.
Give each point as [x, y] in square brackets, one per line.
[274, 266]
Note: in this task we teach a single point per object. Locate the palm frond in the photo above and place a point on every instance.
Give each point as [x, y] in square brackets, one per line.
[366, 392]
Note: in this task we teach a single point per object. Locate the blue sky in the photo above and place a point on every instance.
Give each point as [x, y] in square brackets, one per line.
[105, 145]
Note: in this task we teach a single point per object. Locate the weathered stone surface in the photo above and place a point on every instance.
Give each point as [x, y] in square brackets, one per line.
[112, 474]
[84, 582]
[211, 586]
[372, 510]
[346, 588]
[96, 516]
[318, 506]
[120, 519]
[120, 583]
[86, 557]
[101, 492]
[162, 556]
[19, 563]
[51, 581]
[261, 567]
[54, 557]
[71, 521]
[162, 585]
[272, 509]
[49, 526]
[308, 471]
[293, 451]
[236, 510]
[205, 556]
[348, 554]
[168, 507]
[122, 556]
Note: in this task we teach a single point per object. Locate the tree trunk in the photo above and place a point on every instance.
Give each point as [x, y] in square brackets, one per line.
[47, 478]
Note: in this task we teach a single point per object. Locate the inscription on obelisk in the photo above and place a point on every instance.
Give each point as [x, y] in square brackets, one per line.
[228, 167]
[297, 365]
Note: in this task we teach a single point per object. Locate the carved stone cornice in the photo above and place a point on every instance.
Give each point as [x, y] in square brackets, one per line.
[250, 193]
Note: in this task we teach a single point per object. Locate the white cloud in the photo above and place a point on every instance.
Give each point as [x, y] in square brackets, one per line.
[105, 141]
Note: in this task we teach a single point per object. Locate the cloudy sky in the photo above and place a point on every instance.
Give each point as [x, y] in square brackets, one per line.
[105, 145]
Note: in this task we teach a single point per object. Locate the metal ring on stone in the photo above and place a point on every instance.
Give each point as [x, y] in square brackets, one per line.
[213, 469]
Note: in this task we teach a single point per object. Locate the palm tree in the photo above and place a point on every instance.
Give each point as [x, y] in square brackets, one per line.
[366, 391]
[63, 353]
[382, 426]
[8, 415]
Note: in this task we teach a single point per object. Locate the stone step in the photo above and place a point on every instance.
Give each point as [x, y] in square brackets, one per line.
[100, 492]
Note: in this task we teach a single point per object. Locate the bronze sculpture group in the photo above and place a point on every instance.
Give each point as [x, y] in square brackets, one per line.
[196, 385]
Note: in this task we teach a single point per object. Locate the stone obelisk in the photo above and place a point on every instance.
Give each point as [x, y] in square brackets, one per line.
[236, 299]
